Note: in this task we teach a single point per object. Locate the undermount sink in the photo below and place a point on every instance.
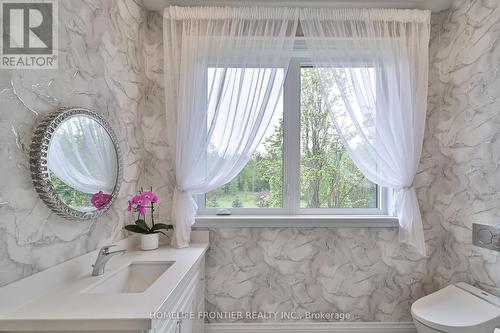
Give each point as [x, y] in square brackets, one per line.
[134, 278]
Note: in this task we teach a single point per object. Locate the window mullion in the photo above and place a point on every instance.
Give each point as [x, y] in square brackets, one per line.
[291, 140]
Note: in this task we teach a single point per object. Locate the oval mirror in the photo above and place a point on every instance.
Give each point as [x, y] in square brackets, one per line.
[76, 163]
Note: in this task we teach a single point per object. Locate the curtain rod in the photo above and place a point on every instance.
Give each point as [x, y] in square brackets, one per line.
[433, 5]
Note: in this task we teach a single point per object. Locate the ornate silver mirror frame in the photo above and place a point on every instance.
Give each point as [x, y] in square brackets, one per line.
[39, 148]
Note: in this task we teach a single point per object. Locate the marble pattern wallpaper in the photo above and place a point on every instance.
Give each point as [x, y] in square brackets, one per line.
[460, 176]
[159, 169]
[362, 272]
[101, 67]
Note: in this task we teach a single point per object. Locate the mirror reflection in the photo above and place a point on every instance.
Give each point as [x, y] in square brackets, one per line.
[83, 164]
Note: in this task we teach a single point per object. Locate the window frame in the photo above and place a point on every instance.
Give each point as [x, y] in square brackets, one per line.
[291, 214]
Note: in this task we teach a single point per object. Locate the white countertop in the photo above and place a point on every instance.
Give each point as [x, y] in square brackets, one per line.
[62, 305]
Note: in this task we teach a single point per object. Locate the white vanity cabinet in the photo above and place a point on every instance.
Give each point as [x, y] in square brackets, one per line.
[183, 311]
[67, 298]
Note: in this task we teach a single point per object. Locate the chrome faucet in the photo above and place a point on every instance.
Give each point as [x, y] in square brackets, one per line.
[102, 259]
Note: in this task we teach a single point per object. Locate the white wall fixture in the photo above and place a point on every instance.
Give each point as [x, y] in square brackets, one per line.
[487, 236]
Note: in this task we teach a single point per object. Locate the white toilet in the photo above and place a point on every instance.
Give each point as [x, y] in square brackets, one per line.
[459, 308]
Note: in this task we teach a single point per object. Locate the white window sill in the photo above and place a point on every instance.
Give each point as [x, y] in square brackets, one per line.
[297, 221]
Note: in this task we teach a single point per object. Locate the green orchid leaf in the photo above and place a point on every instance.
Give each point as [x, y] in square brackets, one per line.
[159, 232]
[136, 229]
[142, 224]
[160, 226]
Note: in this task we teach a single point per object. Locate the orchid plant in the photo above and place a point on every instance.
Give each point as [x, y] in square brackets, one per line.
[100, 200]
[138, 204]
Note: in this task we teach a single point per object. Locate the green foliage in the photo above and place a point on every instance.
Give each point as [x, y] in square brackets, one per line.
[262, 199]
[237, 202]
[271, 167]
[213, 201]
[226, 200]
[141, 227]
[158, 227]
[328, 177]
[142, 224]
[162, 226]
[136, 229]
[69, 195]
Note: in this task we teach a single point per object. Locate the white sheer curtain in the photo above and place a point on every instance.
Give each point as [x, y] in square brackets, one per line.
[373, 67]
[82, 155]
[224, 72]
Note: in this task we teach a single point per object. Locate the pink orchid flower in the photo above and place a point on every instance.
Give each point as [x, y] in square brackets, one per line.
[141, 210]
[100, 200]
[139, 202]
[149, 197]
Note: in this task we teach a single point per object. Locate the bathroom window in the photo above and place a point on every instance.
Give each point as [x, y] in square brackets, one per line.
[260, 184]
[328, 176]
[301, 167]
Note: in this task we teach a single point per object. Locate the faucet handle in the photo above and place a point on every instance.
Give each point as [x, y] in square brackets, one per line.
[105, 249]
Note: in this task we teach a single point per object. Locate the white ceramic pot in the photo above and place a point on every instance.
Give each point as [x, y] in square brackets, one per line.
[149, 242]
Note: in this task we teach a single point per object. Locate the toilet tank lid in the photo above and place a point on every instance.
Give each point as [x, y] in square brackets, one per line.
[456, 306]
